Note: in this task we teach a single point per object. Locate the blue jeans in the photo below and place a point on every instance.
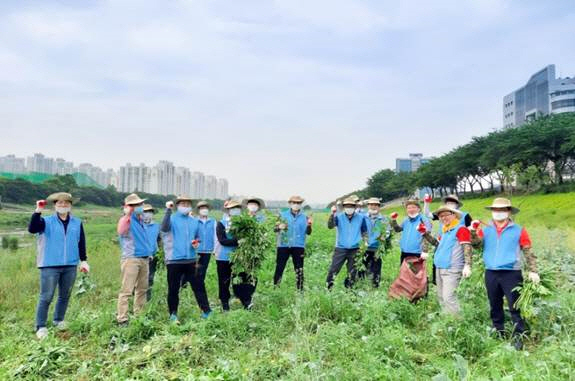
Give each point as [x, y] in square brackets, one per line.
[62, 277]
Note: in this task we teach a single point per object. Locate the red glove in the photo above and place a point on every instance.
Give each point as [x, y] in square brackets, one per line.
[196, 242]
[422, 228]
[427, 198]
[41, 203]
[394, 216]
[475, 224]
[309, 221]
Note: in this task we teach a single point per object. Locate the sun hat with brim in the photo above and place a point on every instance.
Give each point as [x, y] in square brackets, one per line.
[412, 202]
[350, 201]
[355, 198]
[181, 198]
[202, 204]
[445, 208]
[257, 200]
[133, 199]
[373, 200]
[62, 196]
[232, 204]
[452, 197]
[149, 208]
[296, 199]
[502, 203]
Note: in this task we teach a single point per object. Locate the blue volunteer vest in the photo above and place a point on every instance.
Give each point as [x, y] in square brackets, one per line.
[411, 240]
[349, 231]
[183, 230]
[226, 251]
[375, 226]
[56, 247]
[136, 242]
[206, 230]
[153, 231]
[449, 252]
[502, 252]
[295, 235]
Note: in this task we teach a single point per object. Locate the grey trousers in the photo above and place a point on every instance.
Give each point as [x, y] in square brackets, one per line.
[340, 256]
[447, 283]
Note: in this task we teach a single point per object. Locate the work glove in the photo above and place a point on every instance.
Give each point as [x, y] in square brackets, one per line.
[534, 277]
[127, 210]
[170, 205]
[475, 224]
[40, 205]
[466, 271]
[196, 243]
[394, 215]
[333, 209]
[422, 228]
[427, 198]
[424, 256]
[84, 267]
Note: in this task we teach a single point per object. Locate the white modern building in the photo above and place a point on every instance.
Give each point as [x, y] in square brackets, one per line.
[12, 164]
[543, 94]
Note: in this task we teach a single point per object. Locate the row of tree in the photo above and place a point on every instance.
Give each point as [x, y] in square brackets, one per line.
[538, 153]
[20, 191]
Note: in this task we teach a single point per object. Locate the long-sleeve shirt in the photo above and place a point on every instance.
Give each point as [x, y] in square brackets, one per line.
[222, 236]
[38, 225]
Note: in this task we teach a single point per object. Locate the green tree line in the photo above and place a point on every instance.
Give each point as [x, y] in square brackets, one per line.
[20, 191]
[538, 154]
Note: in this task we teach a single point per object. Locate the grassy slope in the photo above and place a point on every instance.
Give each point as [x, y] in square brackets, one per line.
[337, 335]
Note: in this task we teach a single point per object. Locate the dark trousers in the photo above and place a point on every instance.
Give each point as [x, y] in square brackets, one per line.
[224, 282]
[202, 266]
[151, 275]
[243, 290]
[407, 255]
[187, 272]
[341, 256]
[500, 284]
[372, 266]
[297, 256]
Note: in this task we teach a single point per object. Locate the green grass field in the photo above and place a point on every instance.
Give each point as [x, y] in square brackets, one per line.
[320, 335]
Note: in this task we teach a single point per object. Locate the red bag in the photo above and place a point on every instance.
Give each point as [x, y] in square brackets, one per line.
[412, 280]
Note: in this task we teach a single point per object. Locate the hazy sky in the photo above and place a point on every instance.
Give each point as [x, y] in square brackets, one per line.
[281, 97]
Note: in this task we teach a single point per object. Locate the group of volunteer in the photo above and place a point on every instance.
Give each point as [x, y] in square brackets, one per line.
[190, 236]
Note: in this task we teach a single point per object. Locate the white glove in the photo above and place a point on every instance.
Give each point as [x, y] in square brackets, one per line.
[534, 277]
[84, 267]
[169, 205]
[127, 210]
[475, 224]
[424, 256]
[466, 271]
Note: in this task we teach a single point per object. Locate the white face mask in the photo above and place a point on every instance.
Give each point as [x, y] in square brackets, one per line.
[349, 211]
[253, 207]
[412, 215]
[184, 209]
[373, 211]
[63, 209]
[147, 216]
[295, 207]
[235, 212]
[452, 205]
[204, 212]
[500, 216]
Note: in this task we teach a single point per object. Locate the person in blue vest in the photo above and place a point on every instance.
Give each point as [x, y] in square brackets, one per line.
[378, 233]
[61, 246]
[135, 261]
[506, 247]
[452, 257]
[451, 201]
[153, 233]
[291, 237]
[412, 243]
[227, 245]
[351, 227]
[207, 232]
[181, 235]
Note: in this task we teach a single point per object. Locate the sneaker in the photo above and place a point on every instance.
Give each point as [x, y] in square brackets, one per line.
[206, 315]
[250, 306]
[174, 319]
[61, 325]
[42, 333]
[226, 307]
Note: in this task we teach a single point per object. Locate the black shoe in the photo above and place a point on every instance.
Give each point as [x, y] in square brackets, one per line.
[226, 307]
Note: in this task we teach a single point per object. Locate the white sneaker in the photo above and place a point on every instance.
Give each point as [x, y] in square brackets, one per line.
[42, 333]
[61, 326]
